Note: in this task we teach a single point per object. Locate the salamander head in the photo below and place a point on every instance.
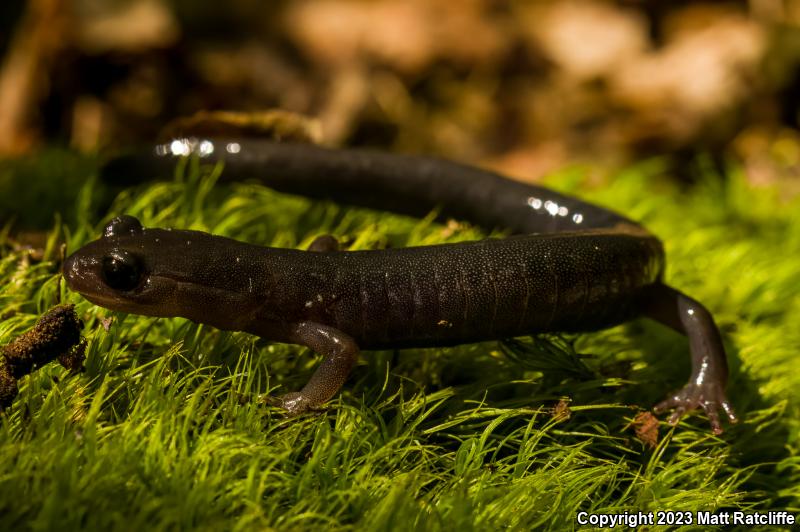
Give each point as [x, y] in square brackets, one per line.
[158, 272]
[117, 270]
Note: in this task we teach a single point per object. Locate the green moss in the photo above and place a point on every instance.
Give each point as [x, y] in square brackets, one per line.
[165, 429]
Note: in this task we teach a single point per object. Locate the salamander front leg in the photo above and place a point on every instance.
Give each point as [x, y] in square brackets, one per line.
[340, 354]
[706, 386]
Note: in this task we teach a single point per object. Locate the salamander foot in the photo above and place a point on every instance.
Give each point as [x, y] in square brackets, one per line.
[709, 396]
[706, 386]
[295, 403]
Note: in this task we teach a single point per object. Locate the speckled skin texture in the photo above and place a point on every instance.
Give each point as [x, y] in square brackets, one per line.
[408, 297]
[572, 267]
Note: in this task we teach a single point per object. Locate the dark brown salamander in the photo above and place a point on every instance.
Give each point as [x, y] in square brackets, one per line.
[571, 267]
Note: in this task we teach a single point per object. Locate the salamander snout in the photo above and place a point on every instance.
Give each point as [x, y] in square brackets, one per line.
[104, 265]
[78, 271]
[117, 270]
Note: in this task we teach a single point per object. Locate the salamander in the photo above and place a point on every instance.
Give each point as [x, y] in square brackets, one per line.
[567, 266]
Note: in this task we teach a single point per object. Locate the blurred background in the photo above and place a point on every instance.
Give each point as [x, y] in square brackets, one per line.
[521, 86]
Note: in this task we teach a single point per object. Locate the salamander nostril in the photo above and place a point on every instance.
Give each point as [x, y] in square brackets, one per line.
[70, 269]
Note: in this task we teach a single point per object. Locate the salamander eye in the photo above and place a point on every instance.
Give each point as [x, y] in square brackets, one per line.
[122, 225]
[122, 271]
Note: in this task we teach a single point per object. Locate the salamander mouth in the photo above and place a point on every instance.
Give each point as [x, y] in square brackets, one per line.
[103, 301]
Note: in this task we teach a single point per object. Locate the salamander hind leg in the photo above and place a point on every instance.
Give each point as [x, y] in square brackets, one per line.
[706, 386]
[340, 354]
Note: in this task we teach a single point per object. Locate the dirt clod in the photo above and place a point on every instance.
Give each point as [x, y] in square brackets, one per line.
[56, 336]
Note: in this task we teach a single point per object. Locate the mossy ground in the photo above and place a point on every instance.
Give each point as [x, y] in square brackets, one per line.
[165, 429]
